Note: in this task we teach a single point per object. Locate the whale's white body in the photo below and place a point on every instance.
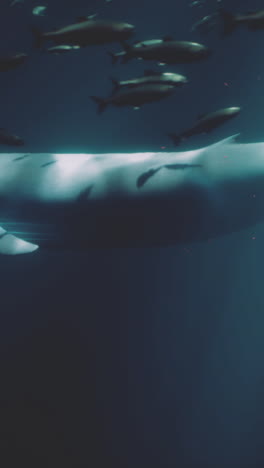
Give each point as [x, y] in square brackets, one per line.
[87, 200]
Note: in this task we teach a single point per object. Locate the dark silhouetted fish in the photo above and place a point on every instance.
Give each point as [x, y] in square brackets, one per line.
[206, 123]
[206, 24]
[20, 158]
[12, 61]
[8, 139]
[180, 166]
[87, 31]
[143, 178]
[165, 50]
[135, 97]
[48, 163]
[254, 20]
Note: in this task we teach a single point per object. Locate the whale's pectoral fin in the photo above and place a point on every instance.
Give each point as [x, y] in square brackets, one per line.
[12, 245]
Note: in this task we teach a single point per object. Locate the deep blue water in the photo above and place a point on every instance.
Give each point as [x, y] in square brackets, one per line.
[145, 358]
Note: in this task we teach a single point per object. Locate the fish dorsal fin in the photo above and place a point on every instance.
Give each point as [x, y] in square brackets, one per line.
[227, 141]
[167, 38]
[82, 19]
[212, 150]
[151, 72]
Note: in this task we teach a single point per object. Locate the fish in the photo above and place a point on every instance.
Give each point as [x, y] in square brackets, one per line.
[197, 3]
[86, 31]
[150, 77]
[134, 97]
[254, 20]
[39, 10]
[61, 49]
[20, 158]
[7, 138]
[89, 201]
[143, 178]
[16, 2]
[165, 50]
[12, 61]
[206, 24]
[206, 123]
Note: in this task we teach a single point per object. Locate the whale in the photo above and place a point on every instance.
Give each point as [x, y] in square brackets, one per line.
[80, 201]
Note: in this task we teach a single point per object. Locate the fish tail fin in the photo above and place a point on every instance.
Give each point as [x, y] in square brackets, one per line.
[115, 84]
[38, 37]
[229, 22]
[114, 57]
[175, 138]
[101, 103]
